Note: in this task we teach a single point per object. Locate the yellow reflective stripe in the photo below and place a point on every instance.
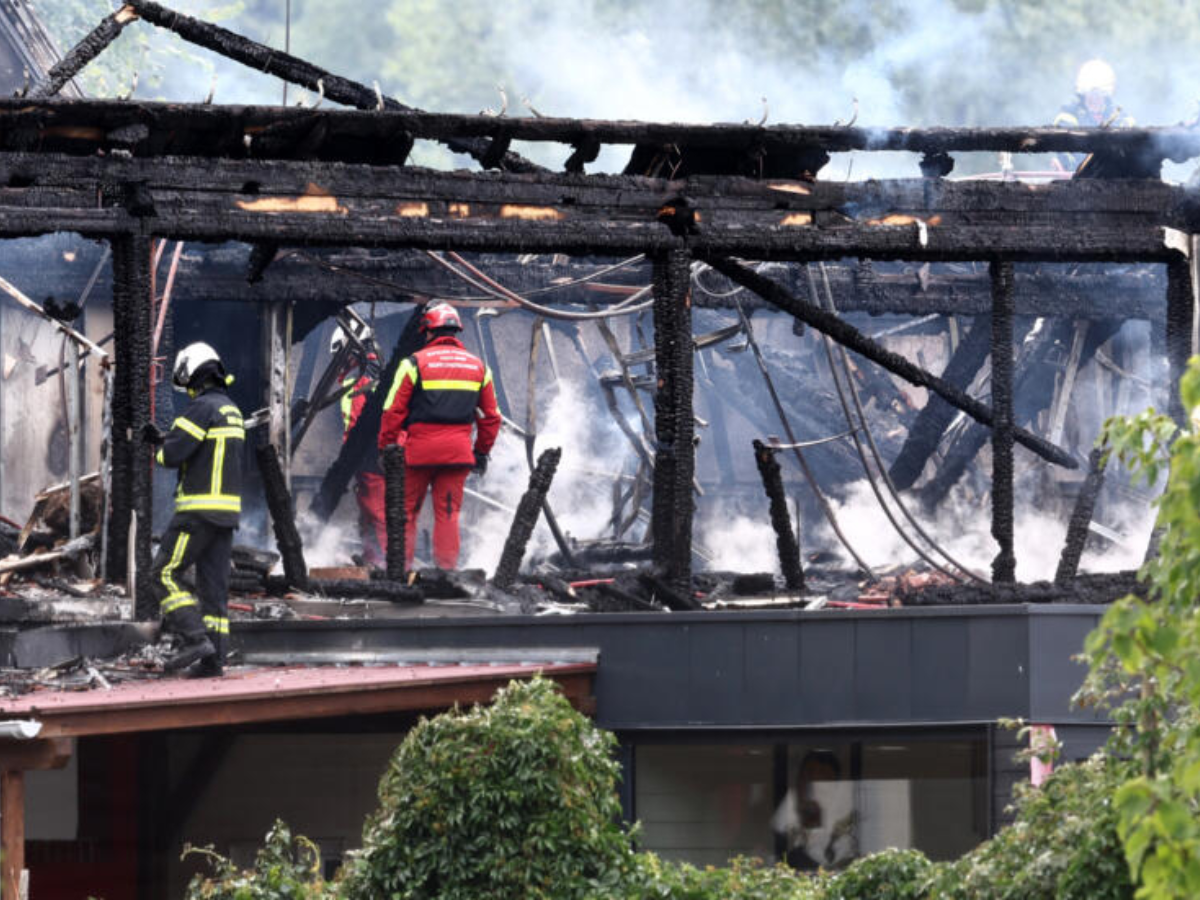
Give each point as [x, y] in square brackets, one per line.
[1065, 118]
[216, 623]
[406, 368]
[487, 376]
[175, 598]
[347, 403]
[453, 385]
[179, 601]
[218, 466]
[189, 427]
[227, 432]
[230, 410]
[159, 457]
[211, 502]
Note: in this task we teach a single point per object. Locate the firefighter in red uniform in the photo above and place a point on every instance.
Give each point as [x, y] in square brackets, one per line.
[438, 394]
[359, 379]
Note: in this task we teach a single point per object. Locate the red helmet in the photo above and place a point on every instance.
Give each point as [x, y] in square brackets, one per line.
[441, 316]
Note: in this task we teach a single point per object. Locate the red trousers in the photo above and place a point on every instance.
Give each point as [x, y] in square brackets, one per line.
[372, 520]
[447, 484]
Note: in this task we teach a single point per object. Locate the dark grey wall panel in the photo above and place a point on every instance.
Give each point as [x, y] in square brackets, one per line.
[1053, 640]
[883, 670]
[827, 670]
[764, 670]
[773, 689]
[940, 648]
[997, 666]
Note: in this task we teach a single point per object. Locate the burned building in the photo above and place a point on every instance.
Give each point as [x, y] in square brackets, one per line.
[753, 341]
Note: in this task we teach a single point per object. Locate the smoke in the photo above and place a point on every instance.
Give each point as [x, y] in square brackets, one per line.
[962, 528]
[737, 543]
[594, 450]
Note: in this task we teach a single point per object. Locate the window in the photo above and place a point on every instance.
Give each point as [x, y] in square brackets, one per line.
[820, 802]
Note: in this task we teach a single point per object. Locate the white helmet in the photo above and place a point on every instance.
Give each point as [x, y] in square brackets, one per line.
[190, 360]
[1096, 75]
[358, 328]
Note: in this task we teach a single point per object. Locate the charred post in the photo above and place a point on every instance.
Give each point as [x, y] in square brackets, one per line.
[853, 339]
[785, 538]
[84, 52]
[1004, 565]
[1179, 333]
[526, 518]
[937, 414]
[132, 461]
[1081, 517]
[283, 517]
[394, 513]
[674, 423]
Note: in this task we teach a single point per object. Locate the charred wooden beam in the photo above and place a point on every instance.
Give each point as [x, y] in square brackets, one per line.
[374, 589]
[526, 518]
[363, 437]
[933, 419]
[283, 516]
[1180, 304]
[1081, 517]
[1004, 565]
[672, 505]
[132, 459]
[473, 134]
[785, 539]
[395, 514]
[296, 71]
[92, 45]
[850, 337]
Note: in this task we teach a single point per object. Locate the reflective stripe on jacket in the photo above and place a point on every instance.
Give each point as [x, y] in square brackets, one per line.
[206, 445]
[438, 394]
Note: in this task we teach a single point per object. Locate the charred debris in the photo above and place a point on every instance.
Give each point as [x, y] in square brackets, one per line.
[935, 335]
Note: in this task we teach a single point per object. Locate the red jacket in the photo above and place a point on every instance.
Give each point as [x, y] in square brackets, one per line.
[438, 394]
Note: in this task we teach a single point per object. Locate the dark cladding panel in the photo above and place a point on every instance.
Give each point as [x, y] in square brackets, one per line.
[882, 669]
[940, 648]
[997, 666]
[1053, 640]
[716, 672]
[774, 690]
[827, 669]
[644, 676]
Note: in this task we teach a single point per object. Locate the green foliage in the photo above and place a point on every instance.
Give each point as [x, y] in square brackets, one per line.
[515, 799]
[743, 879]
[286, 868]
[1063, 844]
[142, 52]
[1143, 660]
[888, 875]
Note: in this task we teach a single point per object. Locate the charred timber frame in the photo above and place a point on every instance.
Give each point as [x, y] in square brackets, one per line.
[1180, 302]
[674, 422]
[1004, 565]
[132, 460]
[785, 539]
[129, 171]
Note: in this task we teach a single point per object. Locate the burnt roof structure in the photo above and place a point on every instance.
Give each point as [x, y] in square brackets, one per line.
[131, 171]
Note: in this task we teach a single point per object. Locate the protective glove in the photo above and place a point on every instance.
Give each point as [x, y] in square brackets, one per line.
[153, 435]
[481, 463]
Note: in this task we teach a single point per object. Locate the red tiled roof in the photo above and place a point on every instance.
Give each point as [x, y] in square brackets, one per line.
[262, 695]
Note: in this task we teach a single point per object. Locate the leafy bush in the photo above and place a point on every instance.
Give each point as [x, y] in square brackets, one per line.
[515, 799]
[286, 868]
[1062, 846]
[744, 879]
[888, 875]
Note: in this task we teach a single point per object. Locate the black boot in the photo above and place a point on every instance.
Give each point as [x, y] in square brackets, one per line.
[195, 648]
[210, 666]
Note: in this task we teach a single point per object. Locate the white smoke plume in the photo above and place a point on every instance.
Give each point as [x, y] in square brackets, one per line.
[593, 449]
[964, 531]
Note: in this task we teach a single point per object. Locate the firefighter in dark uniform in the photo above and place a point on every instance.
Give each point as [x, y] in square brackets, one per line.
[1092, 107]
[205, 444]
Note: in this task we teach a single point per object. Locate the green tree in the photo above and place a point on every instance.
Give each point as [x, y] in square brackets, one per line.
[1143, 656]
